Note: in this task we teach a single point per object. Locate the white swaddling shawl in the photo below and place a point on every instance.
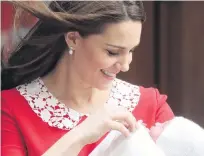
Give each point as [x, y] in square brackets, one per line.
[181, 137]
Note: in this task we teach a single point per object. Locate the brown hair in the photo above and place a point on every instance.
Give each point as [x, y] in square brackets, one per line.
[40, 50]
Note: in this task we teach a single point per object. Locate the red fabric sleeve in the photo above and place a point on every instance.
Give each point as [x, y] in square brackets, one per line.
[12, 143]
[163, 111]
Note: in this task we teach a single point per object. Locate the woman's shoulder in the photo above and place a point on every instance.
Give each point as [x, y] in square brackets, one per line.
[10, 94]
[13, 97]
[19, 102]
[9, 100]
[22, 90]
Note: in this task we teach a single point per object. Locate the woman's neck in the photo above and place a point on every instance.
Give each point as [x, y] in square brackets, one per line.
[66, 85]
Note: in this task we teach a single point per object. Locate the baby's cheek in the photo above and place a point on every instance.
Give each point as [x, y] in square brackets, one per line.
[156, 131]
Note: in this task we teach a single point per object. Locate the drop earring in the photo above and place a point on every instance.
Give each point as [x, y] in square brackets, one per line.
[71, 50]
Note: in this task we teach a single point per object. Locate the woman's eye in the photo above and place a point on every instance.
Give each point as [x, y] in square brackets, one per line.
[112, 53]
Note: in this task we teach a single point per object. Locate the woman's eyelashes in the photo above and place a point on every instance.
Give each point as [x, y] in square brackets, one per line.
[111, 53]
[131, 51]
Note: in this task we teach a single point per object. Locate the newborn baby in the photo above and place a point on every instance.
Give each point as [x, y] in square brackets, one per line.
[178, 137]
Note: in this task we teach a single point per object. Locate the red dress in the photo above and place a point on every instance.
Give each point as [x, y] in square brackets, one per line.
[33, 119]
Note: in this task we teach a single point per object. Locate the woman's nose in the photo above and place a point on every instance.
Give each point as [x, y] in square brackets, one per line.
[125, 67]
[125, 62]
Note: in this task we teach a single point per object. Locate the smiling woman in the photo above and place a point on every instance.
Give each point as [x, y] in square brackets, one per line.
[62, 79]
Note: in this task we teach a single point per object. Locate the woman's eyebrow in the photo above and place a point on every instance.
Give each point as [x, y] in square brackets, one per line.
[115, 46]
[120, 47]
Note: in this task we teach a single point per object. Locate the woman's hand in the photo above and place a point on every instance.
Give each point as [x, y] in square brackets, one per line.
[101, 122]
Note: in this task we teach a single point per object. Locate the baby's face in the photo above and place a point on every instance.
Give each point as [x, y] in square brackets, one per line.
[156, 130]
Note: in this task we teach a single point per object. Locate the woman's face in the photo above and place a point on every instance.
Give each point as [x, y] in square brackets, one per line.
[99, 58]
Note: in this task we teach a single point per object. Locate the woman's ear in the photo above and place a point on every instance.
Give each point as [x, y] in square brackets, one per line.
[72, 38]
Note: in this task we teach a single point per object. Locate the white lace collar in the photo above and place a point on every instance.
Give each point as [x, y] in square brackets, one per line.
[56, 114]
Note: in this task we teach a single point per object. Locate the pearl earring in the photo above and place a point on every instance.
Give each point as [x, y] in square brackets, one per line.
[71, 50]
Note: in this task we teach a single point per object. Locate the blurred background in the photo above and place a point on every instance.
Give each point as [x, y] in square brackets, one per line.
[170, 56]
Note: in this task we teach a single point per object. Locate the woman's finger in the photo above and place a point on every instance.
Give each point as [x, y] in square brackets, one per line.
[114, 125]
[125, 118]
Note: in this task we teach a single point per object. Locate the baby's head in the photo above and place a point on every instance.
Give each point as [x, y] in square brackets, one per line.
[179, 137]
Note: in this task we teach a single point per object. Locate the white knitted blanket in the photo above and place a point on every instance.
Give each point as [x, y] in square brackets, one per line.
[181, 137]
